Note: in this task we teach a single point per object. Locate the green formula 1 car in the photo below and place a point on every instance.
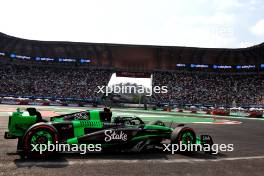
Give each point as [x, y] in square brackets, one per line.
[95, 127]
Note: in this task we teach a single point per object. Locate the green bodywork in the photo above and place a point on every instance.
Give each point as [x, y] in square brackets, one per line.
[19, 123]
[80, 125]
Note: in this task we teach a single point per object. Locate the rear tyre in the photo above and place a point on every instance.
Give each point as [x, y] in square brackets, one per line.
[36, 135]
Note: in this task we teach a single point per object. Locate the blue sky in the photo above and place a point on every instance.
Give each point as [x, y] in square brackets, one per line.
[199, 23]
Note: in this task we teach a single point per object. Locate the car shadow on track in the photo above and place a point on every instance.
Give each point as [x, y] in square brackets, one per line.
[63, 160]
[57, 162]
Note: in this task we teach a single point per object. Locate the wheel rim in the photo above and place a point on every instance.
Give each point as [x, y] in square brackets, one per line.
[187, 138]
[41, 137]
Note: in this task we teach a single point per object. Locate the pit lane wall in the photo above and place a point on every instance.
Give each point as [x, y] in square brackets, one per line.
[219, 112]
[45, 103]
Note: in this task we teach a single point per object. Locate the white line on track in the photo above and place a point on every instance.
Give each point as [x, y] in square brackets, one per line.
[120, 161]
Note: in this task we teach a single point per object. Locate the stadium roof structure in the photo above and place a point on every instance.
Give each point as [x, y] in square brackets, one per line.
[132, 56]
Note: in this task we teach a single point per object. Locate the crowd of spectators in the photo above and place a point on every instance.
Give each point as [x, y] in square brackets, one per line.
[56, 82]
[183, 87]
[210, 88]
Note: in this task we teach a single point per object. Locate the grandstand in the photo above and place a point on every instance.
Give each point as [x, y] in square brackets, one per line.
[71, 71]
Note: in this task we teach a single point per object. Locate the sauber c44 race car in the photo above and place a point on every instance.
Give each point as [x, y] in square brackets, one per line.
[95, 127]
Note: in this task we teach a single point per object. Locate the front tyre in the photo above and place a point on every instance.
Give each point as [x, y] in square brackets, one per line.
[184, 136]
[36, 140]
